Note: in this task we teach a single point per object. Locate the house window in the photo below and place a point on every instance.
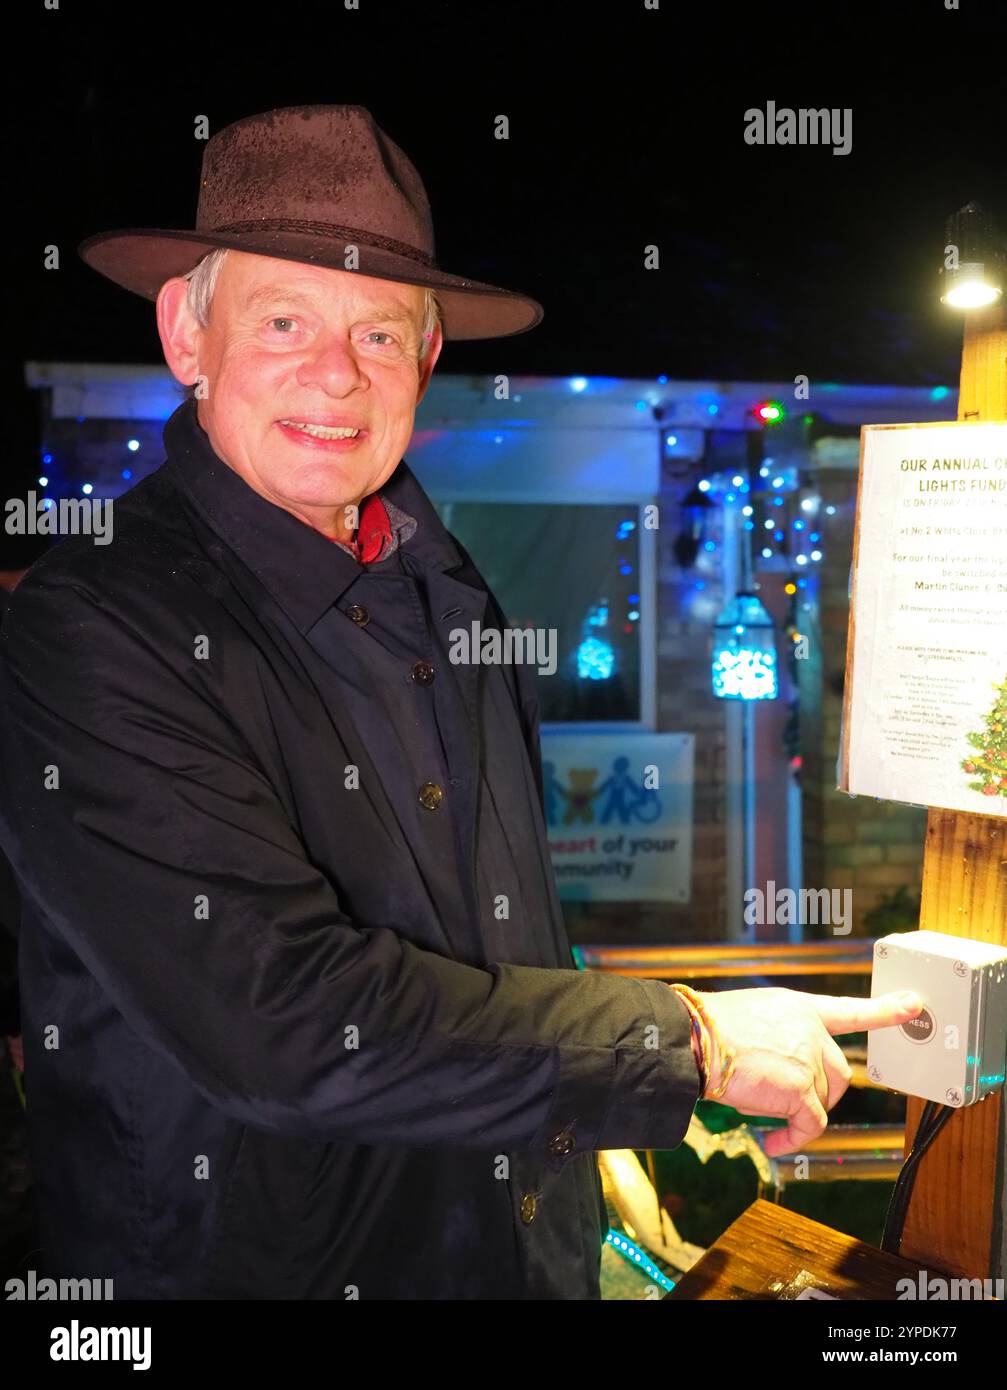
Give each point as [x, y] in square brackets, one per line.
[583, 576]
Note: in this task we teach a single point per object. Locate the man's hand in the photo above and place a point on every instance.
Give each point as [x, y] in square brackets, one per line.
[786, 1063]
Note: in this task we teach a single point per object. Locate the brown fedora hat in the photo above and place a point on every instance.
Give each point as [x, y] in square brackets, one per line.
[319, 184]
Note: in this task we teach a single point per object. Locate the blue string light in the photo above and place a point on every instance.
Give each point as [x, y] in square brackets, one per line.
[722, 488]
[637, 1256]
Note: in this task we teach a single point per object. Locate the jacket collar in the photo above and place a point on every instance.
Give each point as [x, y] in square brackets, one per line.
[303, 571]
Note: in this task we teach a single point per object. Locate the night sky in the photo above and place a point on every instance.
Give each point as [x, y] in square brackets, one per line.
[626, 129]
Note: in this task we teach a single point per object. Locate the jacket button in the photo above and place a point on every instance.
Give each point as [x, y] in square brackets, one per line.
[561, 1144]
[358, 614]
[431, 796]
[529, 1205]
[422, 672]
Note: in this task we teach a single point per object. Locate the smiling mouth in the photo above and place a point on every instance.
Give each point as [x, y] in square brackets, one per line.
[322, 431]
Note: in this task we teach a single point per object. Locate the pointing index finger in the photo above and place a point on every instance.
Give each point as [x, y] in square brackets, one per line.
[845, 1014]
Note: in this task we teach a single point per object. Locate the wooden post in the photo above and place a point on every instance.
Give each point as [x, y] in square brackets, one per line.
[955, 1221]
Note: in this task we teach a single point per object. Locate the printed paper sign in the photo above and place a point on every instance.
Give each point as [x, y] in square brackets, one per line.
[619, 815]
[925, 715]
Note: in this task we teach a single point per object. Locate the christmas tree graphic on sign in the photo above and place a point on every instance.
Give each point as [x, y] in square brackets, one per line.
[989, 762]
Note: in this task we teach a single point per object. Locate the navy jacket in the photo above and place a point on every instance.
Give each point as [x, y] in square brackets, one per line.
[300, 1015]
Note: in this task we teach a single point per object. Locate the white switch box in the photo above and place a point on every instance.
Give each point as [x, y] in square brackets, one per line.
[955, 1051]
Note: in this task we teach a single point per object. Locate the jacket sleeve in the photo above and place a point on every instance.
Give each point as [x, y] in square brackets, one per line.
[147, 836]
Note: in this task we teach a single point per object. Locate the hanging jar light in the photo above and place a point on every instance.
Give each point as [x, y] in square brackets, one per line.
[744, 651]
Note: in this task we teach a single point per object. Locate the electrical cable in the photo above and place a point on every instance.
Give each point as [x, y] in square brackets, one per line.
[899, 1202]
[929, 1125]
[932, 1120]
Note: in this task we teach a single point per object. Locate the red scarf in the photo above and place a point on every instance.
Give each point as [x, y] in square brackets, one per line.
[373, 533]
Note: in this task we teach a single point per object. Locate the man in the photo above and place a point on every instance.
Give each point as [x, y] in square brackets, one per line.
[300, 1015]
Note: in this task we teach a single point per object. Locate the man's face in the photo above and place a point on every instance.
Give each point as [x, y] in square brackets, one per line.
[291, 344]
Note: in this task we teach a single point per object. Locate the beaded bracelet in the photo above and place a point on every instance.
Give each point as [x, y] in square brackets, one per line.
[702, 1038]
[726, 1055]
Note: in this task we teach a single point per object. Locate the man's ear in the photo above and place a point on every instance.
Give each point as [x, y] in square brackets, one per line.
[178, 330]
[429, 362]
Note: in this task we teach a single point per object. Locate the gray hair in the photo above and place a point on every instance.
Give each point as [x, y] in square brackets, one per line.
[203, 281]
